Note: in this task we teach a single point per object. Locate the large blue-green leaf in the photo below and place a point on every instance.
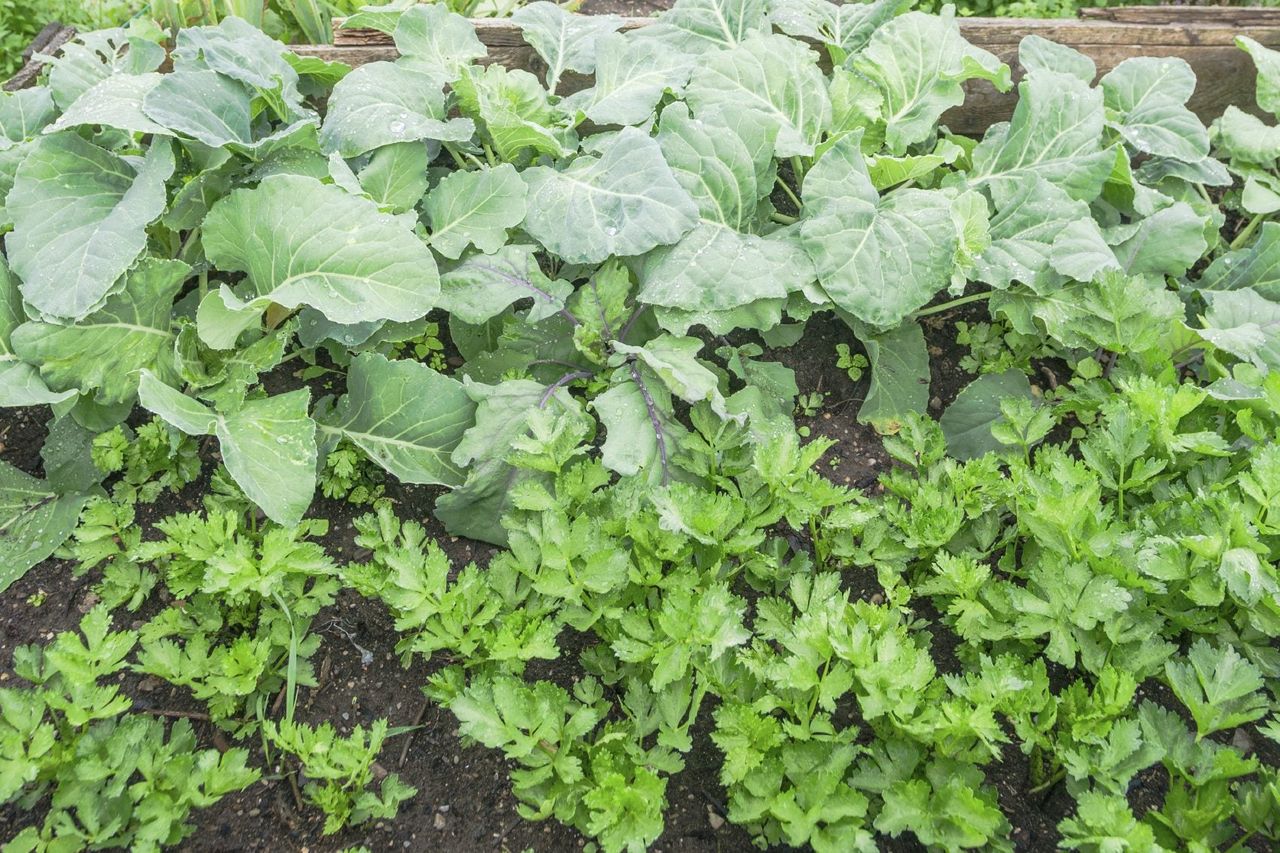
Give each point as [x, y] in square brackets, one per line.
[1257, 266]
[968, 420]
[847, 26]
[105, 351]
[632, 74]
[475, 209]
[1040, 231]
[1055, 134]
[565, 41]
[1147, 97]
[703, 26]
[434, 40]
[306, 243]
[268, 444]
[879, 259]
[1244, 324]
[514, 110]
[899, 376]
[80, 218]
[482, 286]
[624, 202]
[406, 416]
[116, 101]
[20, 383]
[919, 62]
[772, 75]
[34, 520]
[382, 104]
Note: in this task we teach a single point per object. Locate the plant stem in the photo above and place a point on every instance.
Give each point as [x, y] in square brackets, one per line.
[1246, 232]
[798, 171]
[457, 158]
[783, 219]
[653, 419]
[560, 383]
[954, 303]
[795, 199]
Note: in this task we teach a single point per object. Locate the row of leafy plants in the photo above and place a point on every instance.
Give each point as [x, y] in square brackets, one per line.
[611, 265]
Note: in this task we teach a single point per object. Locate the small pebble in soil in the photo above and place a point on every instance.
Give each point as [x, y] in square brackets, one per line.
[714, 819]
[438, 821]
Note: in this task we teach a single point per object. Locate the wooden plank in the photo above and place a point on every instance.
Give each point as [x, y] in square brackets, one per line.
[48, 41]
[1234, 16]
[1225, 74]
[983, 32]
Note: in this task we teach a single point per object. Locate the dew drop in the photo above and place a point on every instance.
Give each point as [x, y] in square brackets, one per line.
[611, 231]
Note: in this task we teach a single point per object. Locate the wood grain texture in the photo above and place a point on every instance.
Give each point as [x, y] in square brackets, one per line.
[1236, 16]
[1225, 74]
[48, 41]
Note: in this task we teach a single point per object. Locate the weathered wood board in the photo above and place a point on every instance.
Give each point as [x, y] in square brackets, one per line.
[1204, 37]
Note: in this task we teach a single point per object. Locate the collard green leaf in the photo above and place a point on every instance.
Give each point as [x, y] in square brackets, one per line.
[565, 41]
[878, 259]
[726, 171]
[80, 216]
[203, 105]
[223, 377]
[268, 444]
[1244, 324]
[919, 62]
[774, 76]
[306, 243]
[1055, 133]
[899, 377]
[968, 420]
[624, 202]
[1244, 136]
[115, 102]
[94, 56]
[847, 26]
[674, 360]
[34, 521]
[396, 175]
[1040, 231]
[702, 26]
[1039, 54]
[105, 351]
[269, 448]
[690, 275]
[382, 104]
[20, 383]
[483, 286]
[23, 114]
[1147, 97]
[631, 76]
[513, 109]
[382, 17]
[406, 416]
[237, 49]
[632, 443]
[1257, 266]
[475, 208]
[1168, 242]
[724, 162]
[436, 41]
[1268, 64]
